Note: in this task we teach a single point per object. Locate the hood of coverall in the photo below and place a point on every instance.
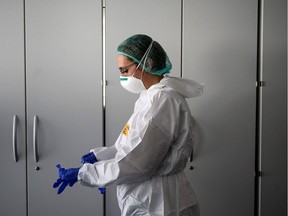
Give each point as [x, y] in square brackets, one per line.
[185, 87]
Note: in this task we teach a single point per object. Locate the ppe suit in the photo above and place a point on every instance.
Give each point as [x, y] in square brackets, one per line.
[148, 159]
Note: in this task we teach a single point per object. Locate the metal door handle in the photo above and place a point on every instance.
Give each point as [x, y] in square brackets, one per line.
[35, 144]
[14, 138]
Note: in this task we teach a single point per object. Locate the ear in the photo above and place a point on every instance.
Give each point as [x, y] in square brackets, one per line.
[149, 63]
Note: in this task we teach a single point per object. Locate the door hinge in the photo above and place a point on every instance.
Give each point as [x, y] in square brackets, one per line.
[260, 83]
[258, 173]
[105, 83]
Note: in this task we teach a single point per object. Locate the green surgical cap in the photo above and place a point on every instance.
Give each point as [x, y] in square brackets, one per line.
[154, 61]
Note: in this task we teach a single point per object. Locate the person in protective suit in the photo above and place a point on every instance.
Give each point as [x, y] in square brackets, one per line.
[148, 159]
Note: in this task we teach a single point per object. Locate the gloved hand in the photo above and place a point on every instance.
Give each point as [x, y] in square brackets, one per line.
[88, 158]
[102, 190]
[66, 177]
[91, 158]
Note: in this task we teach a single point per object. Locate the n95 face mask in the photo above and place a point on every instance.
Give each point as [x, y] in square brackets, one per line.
[132, 84]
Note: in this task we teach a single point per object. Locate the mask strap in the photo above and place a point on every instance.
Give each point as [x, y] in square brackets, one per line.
[144, 58]
[146, 54]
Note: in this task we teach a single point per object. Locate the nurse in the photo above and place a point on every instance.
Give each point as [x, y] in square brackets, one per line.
[148, 159]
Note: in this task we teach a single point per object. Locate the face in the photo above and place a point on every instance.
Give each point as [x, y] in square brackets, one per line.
[128, 67]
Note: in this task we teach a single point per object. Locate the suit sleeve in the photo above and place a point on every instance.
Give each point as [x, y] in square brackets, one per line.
[150, 138]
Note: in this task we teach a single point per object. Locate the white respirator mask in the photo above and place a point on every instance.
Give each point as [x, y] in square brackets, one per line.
[132, 84]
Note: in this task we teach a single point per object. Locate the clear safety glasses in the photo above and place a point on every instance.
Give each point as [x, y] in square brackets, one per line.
[125, 69]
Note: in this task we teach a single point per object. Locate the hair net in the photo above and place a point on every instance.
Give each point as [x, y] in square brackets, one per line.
[146, 52]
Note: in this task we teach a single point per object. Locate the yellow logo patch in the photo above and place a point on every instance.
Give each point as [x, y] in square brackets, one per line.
[126, 130]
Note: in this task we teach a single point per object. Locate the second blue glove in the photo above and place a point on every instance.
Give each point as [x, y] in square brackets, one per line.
[88, 158]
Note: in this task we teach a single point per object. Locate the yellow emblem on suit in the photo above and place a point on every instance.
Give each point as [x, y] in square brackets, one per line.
[126, 130]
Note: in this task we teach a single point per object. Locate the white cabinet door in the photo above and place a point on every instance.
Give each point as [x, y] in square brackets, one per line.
[12, 102]
[220, 49]
[63, 41]
[274, 122]
[159, 19]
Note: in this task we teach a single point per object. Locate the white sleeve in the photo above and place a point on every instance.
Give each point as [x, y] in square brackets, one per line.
[149, 141]
[138, 165]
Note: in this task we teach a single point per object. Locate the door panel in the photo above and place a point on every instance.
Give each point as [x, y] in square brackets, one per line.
[220, 50]
[274, 121]
[64, 91]
[12, 96]
[159, 19]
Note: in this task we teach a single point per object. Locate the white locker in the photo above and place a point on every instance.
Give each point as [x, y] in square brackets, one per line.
[220, 49]
[12, 103]
[60, 83]
[274, 114]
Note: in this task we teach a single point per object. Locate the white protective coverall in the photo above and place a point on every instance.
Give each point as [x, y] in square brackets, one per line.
[148, 159]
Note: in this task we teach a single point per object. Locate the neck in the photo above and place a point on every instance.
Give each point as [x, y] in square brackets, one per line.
[150, 79]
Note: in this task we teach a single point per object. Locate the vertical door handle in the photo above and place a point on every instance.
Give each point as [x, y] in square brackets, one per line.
[14, 138]
[35, 144]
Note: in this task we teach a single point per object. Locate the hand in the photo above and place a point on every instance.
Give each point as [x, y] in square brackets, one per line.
[66, 177]
[88, 158]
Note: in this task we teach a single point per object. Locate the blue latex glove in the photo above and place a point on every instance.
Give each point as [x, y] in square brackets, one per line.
[66, 177]
[88, 158]
[91, 158]
[102, 190]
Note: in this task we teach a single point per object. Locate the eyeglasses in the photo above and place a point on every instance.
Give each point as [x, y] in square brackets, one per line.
[125, 68]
